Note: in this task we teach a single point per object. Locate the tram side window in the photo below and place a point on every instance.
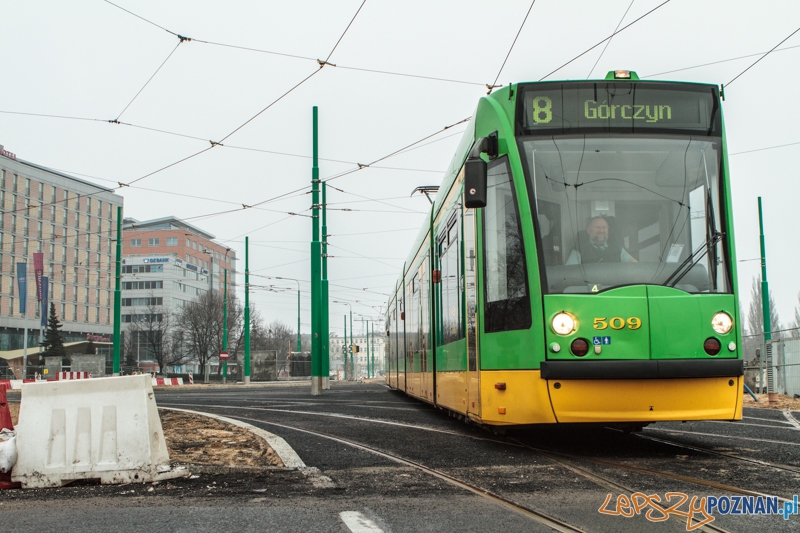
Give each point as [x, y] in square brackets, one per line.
[507, 303]
[451, 285]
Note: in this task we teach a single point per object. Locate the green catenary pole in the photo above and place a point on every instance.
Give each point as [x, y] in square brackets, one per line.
[246, 370]
[352, 346]
[225, 326]
[118, 294]
[344, 348]
[325, 318]
[764, 284]
[316, 271]
[372, 350]
[299, 342]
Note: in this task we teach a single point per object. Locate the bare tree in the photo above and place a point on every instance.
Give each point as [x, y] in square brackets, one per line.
[201, 324]
[152, 331]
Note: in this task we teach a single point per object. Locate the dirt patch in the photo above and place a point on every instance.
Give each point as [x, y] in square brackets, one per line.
[784, 402]
[201, 440]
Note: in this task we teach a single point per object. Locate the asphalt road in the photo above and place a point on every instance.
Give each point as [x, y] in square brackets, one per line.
[566, 473]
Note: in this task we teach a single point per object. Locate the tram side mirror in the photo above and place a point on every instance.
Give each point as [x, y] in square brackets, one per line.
[474, 183]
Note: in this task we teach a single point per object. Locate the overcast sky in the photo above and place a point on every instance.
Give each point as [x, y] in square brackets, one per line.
[89, 59]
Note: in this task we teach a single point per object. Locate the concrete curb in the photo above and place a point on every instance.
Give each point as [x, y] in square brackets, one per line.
[288, 456]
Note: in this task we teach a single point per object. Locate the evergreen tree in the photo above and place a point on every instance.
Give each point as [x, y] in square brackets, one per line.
[53, 343]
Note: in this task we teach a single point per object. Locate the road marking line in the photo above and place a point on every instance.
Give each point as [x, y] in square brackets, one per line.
[358, 523]
[792, 420]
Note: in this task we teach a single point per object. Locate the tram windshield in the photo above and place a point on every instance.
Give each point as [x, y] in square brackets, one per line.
[618, 210]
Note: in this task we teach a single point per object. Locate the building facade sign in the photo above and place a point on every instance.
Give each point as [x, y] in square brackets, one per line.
[155, 260]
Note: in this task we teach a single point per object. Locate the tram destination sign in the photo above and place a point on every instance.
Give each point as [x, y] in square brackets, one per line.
[618, 107]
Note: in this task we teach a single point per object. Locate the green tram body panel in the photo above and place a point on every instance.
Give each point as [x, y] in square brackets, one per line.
[644, 319]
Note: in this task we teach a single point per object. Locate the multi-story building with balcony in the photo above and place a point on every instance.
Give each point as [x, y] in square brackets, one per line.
[72, 222]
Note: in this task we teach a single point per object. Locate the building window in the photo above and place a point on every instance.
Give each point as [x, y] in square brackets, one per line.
[136, 243]
[172, 241]
[194, 245]
[89, 205]
[39, 229]
[53, 195]
[26, 225]
[41, 191]
[154, 241]
[25, 248]
[13, 223]
[27, 187]
[188, 243]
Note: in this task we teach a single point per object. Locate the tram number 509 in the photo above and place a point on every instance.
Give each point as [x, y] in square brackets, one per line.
[617, 322]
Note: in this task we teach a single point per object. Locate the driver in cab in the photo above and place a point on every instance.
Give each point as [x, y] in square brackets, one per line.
[594, 246]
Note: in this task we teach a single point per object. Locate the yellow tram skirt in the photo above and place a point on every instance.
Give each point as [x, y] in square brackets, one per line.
[647, 400]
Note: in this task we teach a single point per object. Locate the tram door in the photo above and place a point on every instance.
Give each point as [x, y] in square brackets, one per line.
[469, 260]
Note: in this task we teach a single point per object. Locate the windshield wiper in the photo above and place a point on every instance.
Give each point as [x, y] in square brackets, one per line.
[689, 263]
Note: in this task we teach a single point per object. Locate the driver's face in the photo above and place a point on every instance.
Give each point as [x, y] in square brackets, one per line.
[598, 231]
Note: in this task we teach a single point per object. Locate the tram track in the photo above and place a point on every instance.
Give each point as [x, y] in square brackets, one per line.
[543, 518]
[572, 462]
[784, 468]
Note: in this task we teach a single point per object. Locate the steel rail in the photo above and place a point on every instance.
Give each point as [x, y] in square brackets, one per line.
[543, 518]
[759, 462]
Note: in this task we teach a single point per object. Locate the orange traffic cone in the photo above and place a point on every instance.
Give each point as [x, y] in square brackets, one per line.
[5, 423]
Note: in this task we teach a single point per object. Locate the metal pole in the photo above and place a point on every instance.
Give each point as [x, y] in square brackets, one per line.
[344, 351]
[352, 346]
[117, 294]
[316, 269]
[372, 350]
[25, 347]
[299, 343]
[369, 368]
[246, 369]
[225, 327]
[325, 369]
[773, 398]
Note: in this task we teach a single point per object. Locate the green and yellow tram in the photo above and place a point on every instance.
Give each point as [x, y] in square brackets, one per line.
[578, 265]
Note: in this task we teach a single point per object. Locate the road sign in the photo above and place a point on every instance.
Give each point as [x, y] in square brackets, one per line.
[223, 355]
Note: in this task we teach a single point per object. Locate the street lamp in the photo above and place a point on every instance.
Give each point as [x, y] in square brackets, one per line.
[351, 334]
[299, 346]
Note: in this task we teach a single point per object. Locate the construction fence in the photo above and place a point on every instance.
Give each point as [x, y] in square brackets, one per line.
[774, 365]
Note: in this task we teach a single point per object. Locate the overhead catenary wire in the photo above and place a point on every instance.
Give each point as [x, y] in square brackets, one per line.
[494, 83]
[148, 80]
[718, 62]
[604, 40]
[344, 33]
[763, 56]
[609, 41]
[408, 146]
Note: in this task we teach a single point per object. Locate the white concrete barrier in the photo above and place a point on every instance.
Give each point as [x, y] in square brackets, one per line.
[103, 428]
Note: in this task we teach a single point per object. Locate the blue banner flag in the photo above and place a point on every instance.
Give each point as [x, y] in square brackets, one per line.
[45, 304]
[22, 282]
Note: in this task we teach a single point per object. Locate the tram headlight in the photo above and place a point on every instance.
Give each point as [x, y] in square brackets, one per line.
[564, 323]
[722, 323]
